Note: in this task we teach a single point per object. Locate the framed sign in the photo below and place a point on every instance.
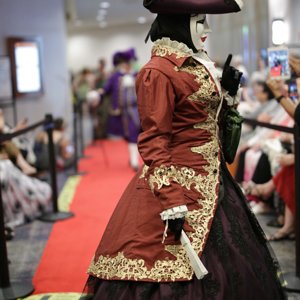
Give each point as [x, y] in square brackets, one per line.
[5, 78]
[26, 67]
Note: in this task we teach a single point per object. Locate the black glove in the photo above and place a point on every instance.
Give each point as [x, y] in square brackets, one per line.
[176, 226]
[231, 77]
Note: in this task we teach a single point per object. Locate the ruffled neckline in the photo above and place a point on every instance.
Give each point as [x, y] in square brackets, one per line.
[180, 49]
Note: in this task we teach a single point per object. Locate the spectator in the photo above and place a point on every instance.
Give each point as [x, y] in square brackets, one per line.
[63, 148]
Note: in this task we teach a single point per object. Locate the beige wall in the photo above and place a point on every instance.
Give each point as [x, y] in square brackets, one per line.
[242, 33]
[86, 46]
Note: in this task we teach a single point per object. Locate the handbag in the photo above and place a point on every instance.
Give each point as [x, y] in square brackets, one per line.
[232, 127]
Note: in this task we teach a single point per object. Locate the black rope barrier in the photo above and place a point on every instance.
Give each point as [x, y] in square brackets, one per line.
[292, 278]
[15, 290]
[269, 125]
[8, 136]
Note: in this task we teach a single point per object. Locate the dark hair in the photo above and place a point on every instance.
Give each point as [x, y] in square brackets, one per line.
[266, 89]
[175, 27]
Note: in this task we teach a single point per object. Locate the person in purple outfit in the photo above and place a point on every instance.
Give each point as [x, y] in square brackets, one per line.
[123, 120]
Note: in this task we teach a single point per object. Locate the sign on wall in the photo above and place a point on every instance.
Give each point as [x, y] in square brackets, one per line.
[26, 68]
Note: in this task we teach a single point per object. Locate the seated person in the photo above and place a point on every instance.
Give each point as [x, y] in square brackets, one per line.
[283, 183]
[63, 148]
[24, 198]
[8, 150]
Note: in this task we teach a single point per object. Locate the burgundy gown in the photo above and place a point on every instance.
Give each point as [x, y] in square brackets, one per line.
[179, 102]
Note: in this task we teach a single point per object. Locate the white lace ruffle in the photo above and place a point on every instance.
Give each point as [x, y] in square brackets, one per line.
[167, 42]
[232, 100]
[174, 213]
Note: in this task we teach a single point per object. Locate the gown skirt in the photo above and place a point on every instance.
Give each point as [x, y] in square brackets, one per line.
[239, 260]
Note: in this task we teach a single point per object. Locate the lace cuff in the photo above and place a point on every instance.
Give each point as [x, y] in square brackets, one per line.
[174, 213]
[232, 100]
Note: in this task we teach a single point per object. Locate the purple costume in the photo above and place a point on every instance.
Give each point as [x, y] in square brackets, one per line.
[123, 114]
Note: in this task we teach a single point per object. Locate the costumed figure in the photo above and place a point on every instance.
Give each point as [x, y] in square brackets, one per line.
[184, 200]
[123, 114]
[112, 88]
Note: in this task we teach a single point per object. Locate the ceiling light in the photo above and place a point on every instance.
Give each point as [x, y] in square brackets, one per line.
[141, 20]
[104, 4]
[279, 31]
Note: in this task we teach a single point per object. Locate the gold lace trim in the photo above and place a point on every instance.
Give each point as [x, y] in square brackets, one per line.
[169, 270]
[165, 46]
[134, 269]
[206, 185]
[206, 94]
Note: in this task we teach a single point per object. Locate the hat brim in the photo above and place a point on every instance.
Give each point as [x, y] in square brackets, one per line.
[193, 6]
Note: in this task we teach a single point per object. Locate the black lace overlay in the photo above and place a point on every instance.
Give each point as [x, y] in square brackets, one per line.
[211, 286]
[239, 260]
[179, 290]
[147, 290]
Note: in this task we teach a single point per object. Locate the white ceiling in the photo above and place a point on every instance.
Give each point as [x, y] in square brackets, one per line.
[83, 13]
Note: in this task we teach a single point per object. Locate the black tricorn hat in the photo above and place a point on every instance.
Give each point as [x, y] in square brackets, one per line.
[193, 6]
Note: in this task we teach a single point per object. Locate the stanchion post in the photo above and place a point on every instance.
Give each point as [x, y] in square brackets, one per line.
[52, 161]
[4, 272]
[80, 133]
[81, 139]
[75, 141]
[293, 278]
[75, 134]
[55, 215]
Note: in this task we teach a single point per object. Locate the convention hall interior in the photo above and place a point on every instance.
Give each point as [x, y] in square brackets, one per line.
[64, 166]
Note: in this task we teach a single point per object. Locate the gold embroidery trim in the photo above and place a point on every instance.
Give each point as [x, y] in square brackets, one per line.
[134, 269]
[169, 270]
[206, 185]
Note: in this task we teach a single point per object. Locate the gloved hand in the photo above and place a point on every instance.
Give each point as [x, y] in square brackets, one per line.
[176, 225]
[231, 77]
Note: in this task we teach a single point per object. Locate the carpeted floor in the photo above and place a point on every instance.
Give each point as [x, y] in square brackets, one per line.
[60, 266]
[72, 242]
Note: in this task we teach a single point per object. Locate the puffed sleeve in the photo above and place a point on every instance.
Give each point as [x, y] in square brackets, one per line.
[156, 104]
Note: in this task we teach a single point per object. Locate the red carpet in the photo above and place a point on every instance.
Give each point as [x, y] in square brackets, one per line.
[72, 242]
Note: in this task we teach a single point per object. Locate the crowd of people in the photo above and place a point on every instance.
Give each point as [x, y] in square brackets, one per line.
[266, 159]
[112, 100]
[24, 168]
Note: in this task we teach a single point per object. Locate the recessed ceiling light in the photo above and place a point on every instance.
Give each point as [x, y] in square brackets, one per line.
[104, 4]
[141, 20]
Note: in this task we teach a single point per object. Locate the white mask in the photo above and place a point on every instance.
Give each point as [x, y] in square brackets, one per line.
[199, 30]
